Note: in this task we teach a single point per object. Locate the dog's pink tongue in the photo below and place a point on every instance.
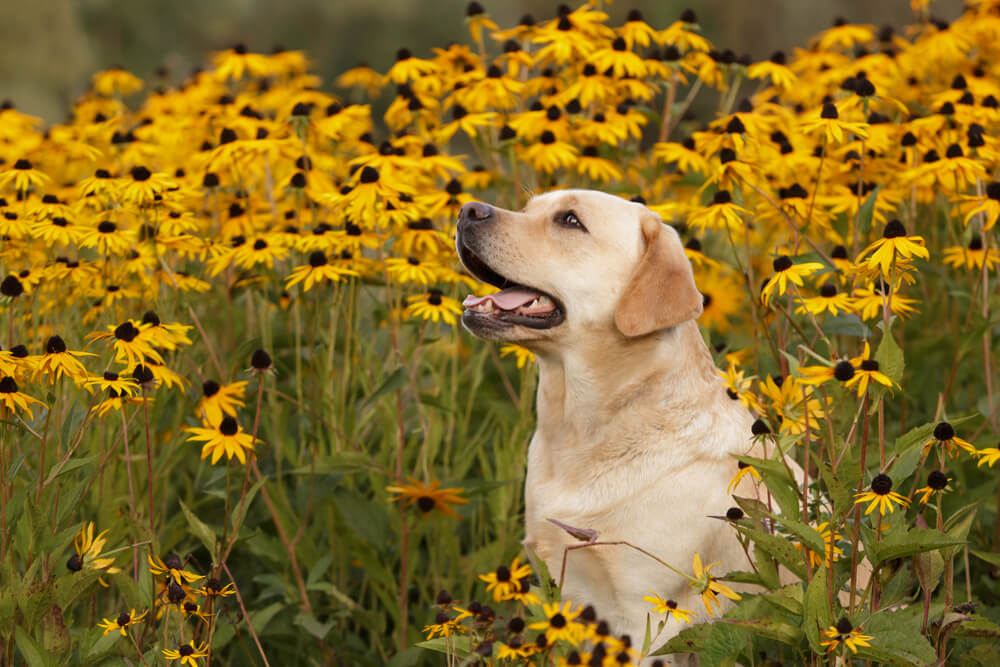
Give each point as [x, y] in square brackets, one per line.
[508, 299]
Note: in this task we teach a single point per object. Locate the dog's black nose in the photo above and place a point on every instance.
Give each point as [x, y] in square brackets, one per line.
[475, 211]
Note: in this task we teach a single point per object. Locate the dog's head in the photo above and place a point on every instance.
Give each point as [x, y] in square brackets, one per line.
[574, 261]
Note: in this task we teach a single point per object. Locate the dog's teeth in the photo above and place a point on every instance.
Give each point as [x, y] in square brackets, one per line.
[533, 303]
[543, 301]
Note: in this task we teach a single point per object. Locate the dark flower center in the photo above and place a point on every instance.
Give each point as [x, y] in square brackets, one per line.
[175, 593]
[434, 297]
[140, 173]
[369, 175]
[843, 371]
[126, 331]
[426, 504]
[882, 484]
[869, 365]
[937, 480]
[829, 112]
[844, 626]
[548, 138]
[828, 290]
[503, 573]
[142, 374]
[259, 244]
[782, 263]
[840, 252]
[228, 426]
[722, 197]
[124, 619]
[11, 287]
[760, 427]
[317, 258]
[75, 563]
[210, 388]
[260, 359]
[22, 165]
[8, 386]
[107, 227]
[976, 243]
[944, 431]
[186, 650]
[558, 621]
[993, 191]
[894, 229]
[734, 514]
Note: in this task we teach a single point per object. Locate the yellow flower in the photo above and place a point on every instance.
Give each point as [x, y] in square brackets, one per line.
[844, 633]
[505, 582]
[988, 455]
[186, 653]
[668, 607]
[13, 399]
[121, 622]
[972, 257]
[744, 469]
[560, 623]
[709, 587]
[827, 122]
[88, 553]
[945, 437]
[227, 438]
[172, 569]
[318, 269]
[786, 272]
[24, 176]
[428, 497]
[937, 482]
[445, 626]
[829, 299]
[894, 244]
[523, 355]
[115, 81]
[829, 537]
[881, 496]
[433, 306]
[220, 400]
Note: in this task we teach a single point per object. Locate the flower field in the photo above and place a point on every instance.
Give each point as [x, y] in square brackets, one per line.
[240, 422]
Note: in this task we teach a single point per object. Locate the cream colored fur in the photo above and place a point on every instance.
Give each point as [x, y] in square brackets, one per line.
[636, 434]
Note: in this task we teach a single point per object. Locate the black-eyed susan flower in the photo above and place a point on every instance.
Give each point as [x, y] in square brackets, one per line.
[668, 607]
[167, 336]
[893, 246]
[171, 569]
[23, 176]
[412, 270]
[743, 470]
[115, 81]
[829, 299]
[445, 625]
[826, 122]
[870, 299]
[228, 438]
[522, 355]
[121, 622]
[59, 361]
[881, 496]
[213, 588]
[129, 348]
[785, 272]
[318, 269]
[973, 256]
[505, 581]
[88, 549]
[15, 400]
[549, 154]
[988, 456]
[186, 654]
[560, 623]
[144, 186]
[937, 483]
[219, 400]
[945, 438]
[708, 587]
[428, 497]
[433, 306]
[867, 369]
[191, 608]
[516, 647]
[844, 633]
[722, 214]
[109, 238]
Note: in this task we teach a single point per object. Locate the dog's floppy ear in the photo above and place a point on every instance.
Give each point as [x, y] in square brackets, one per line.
[661, 292]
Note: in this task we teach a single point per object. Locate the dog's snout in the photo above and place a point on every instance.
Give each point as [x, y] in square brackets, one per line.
[475, 211]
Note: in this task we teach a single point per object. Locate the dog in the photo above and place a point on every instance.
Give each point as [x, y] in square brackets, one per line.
[635, 433]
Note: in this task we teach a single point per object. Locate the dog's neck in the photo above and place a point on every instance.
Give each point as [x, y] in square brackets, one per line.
[597, 391]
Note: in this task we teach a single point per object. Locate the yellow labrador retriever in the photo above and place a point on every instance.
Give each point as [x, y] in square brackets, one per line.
[635, 433]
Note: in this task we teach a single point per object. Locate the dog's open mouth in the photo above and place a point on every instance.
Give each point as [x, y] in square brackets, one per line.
[514, 303]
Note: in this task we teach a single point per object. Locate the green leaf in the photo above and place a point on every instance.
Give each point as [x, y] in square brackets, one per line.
[817, 612]
[199, 528]
[989, 557]
[781, 549]
[769, 628]
[549, 591]
[978, 628]
[689, 640]
[312, 626]
[897, 640]
[916, 540]
[71, 465]
[788, 598]
[890, 357]
[396, 380]
[846, 324]
[778, 481]
[866, 212]
[723, 645]
[448, 645]
[34, 655]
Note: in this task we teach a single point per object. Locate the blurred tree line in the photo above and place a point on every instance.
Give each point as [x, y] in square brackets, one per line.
[51, 47]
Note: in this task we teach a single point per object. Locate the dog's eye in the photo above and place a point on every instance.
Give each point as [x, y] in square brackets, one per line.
[569, 219]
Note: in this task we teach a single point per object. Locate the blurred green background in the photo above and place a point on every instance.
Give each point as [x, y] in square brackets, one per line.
[51, 47]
